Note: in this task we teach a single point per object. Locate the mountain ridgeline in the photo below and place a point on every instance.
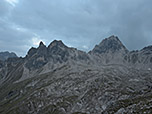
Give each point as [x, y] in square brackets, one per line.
[5, 55]
[109, 51]
[63, 80]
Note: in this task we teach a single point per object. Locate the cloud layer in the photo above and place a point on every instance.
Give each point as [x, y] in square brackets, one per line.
[79, 23]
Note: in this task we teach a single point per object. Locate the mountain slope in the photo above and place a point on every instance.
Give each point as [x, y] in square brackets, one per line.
[108, 89]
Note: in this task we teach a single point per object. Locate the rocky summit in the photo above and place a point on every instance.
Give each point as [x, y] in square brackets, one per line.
[59, 79]
[112, 44]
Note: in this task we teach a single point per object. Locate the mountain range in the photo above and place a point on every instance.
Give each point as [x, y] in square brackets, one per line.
[5, 55]
[58, 79]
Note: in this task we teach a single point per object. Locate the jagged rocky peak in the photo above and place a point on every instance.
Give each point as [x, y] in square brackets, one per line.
[56, 43]
[58, 48]
[40, 50]
[41, 44]
[112, 44]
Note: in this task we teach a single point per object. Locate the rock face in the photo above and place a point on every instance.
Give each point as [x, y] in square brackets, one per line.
[5, 55]
[60, 80]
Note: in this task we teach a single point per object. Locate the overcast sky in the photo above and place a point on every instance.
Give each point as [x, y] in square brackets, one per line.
[78, 23]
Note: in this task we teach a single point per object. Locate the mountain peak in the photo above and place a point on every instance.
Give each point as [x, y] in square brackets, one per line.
[57, 43]
[113, 37]
[109, 44]
[40, 50]
[41, 44]
[113, 40]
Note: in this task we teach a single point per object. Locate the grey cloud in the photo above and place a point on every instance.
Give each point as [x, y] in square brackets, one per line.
[12, 39]
[4, 8]
[133, 24]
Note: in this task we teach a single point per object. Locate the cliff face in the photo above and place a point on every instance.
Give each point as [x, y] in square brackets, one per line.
[62, 80]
